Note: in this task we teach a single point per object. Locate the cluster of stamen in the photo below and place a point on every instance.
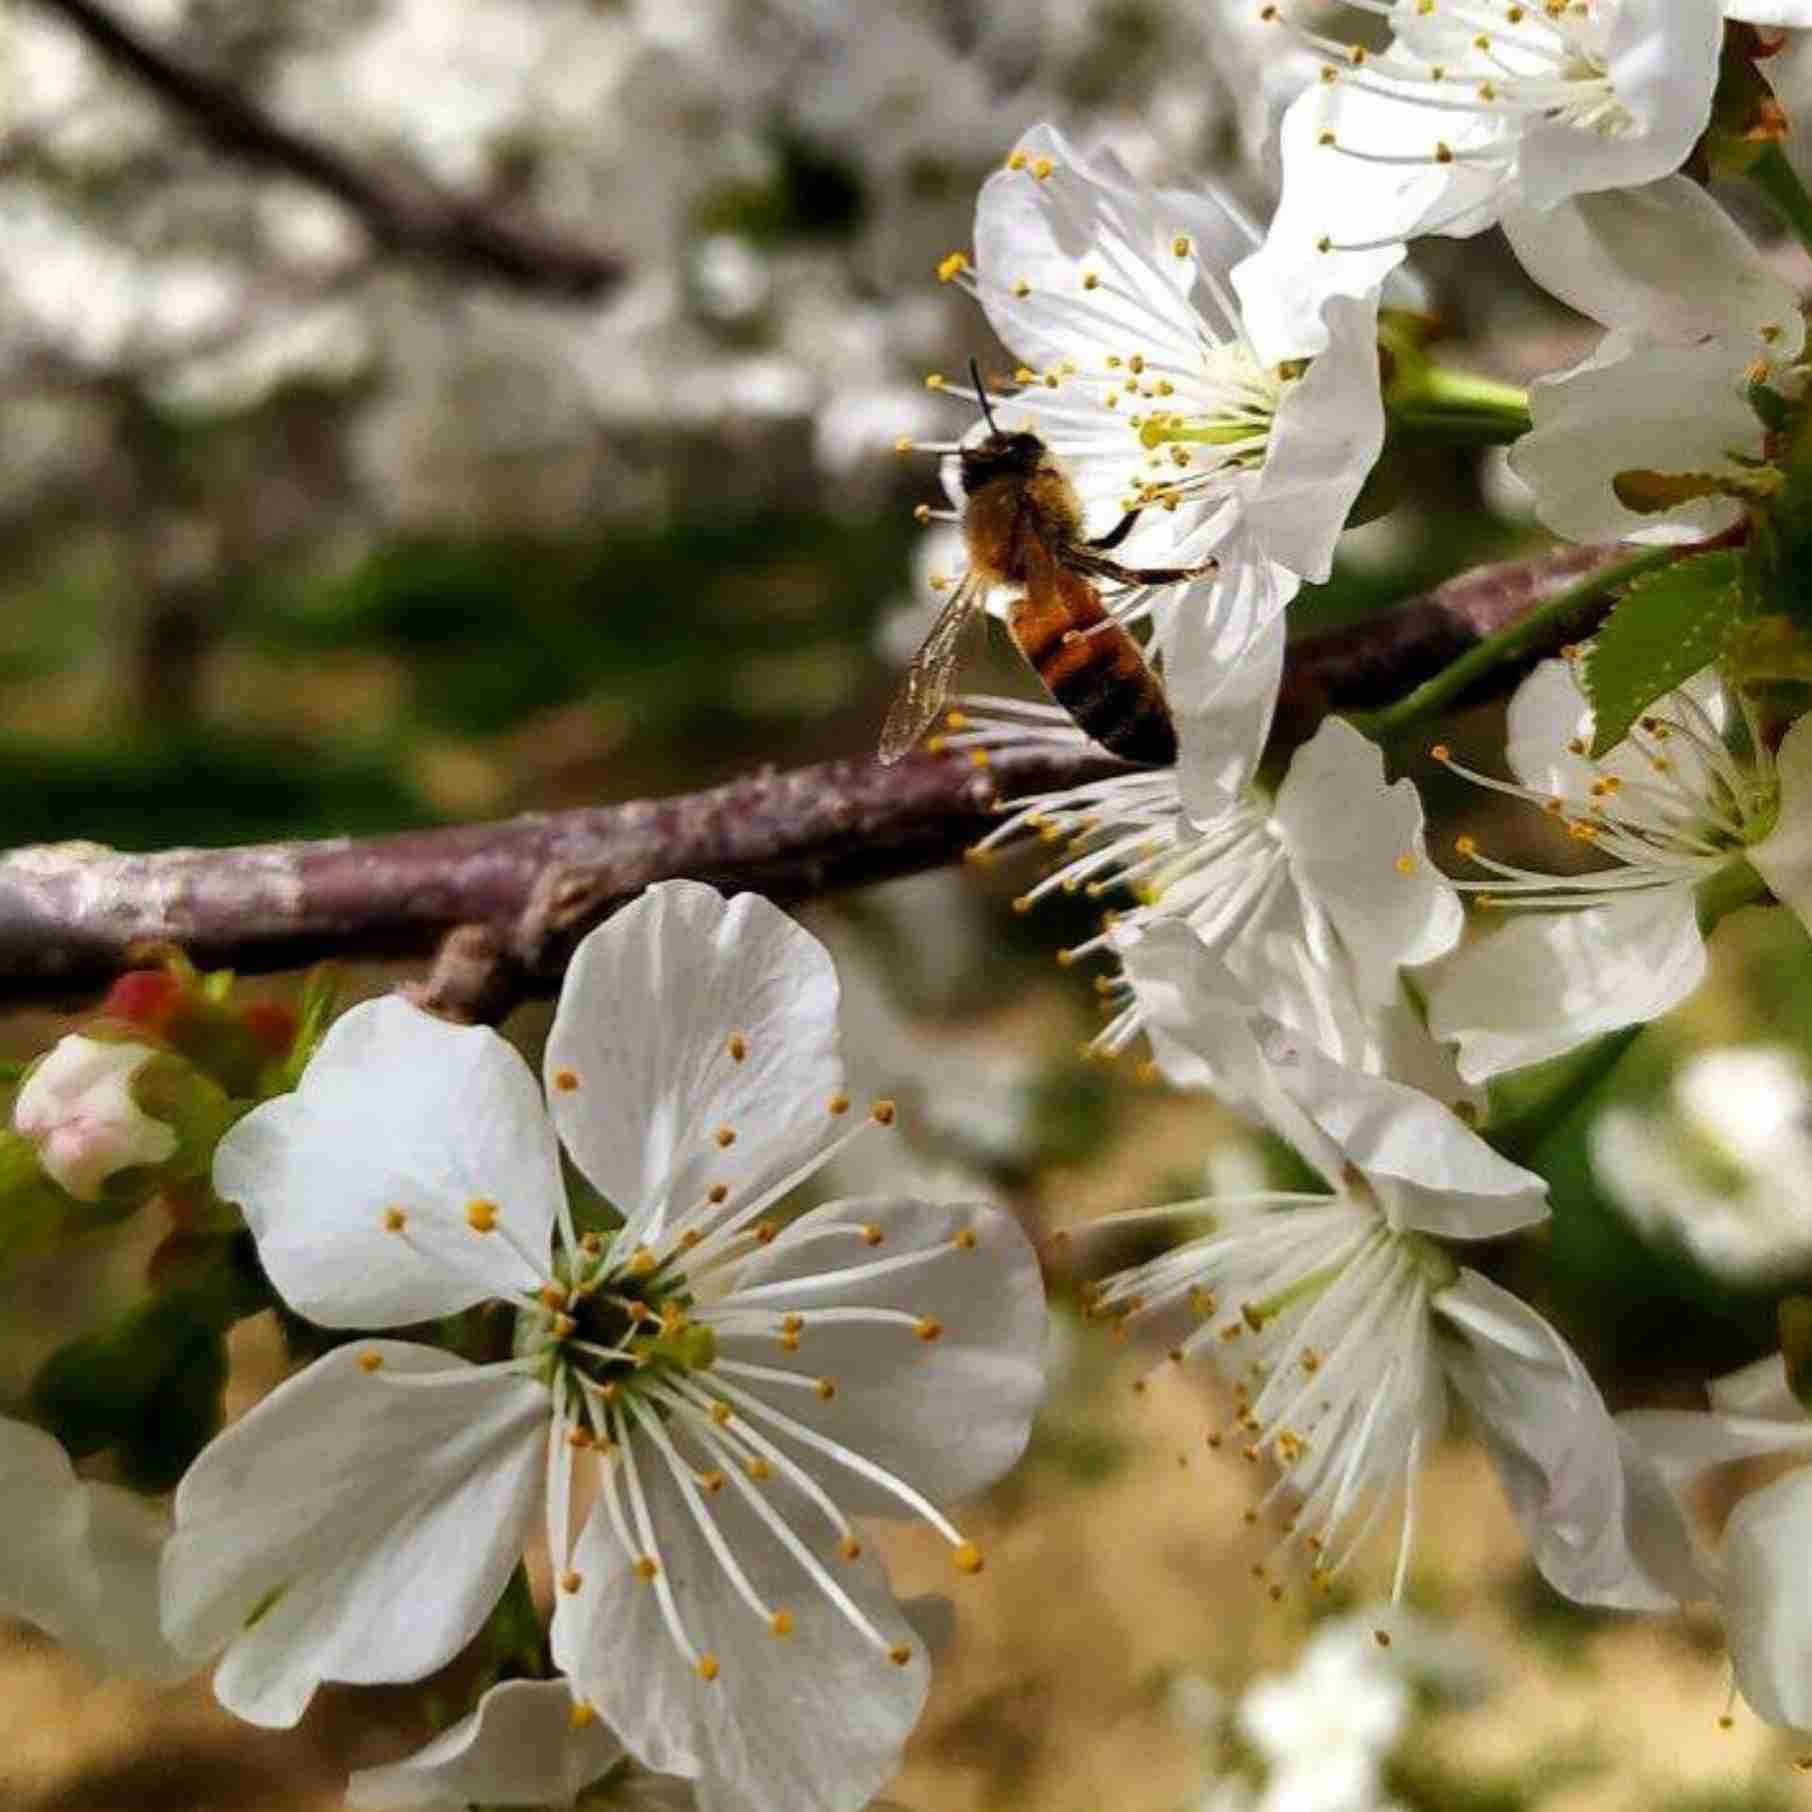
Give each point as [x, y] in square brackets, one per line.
[1317, 1312]
[1194, 401]
[1683, 804]
[642, 1337]
[1509, 63]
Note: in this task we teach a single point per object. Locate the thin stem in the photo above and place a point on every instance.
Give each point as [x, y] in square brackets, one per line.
[1509, 644]
[1776, 179]
[1451, 407]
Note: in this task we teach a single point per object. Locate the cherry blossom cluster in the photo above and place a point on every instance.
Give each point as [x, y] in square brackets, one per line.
[579, 1348]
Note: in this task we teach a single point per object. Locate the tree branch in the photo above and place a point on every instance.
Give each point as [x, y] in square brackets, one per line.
[517, 894]
[409, 216]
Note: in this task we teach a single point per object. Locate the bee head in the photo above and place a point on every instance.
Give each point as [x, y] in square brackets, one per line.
[1015, 456]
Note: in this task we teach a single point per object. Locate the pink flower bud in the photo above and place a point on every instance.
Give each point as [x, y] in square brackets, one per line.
[77, 1108]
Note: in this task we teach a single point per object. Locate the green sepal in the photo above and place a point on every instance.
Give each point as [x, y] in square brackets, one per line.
[1667, 627]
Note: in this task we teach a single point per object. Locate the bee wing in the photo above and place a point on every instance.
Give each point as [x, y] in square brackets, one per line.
[926, 689]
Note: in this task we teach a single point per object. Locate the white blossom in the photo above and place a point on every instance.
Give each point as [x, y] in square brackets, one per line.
[734, 1388]
[1756, 1573]
[1342, 1320]
[1675, 804]
[1724, 1166]
[1696, 316]
[76, 1108]
[1311, 900]
[1469, 115]
[1139, 373]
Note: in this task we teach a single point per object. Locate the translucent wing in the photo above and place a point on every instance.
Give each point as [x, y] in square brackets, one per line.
[927, 686]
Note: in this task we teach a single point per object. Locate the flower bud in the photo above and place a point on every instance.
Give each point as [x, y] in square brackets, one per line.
[77, 1109]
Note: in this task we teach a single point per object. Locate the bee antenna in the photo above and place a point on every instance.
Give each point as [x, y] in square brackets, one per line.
[981, 396]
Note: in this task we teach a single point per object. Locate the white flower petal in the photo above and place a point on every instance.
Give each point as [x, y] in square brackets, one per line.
[948, 1415]
[124, 1632]
[813, 1721]
[397, 1113]
[1549, 981]
[644, 1076]
[76, 1107]
[1768, 1599]
[1350, 836]
[1662, 59]
[1637, 406]
[1664, 261]
[1433, 1173]
[1325, 439]
[357, 1525]
[1794, 14]
[1783, 858]
[1555, 1447]
[45, 1513]
[1759, 1389]
[1222, 670]
[519, 1747]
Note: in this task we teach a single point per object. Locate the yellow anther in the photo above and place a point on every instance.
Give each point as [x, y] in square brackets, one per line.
[758, 1469]
[1016, 160]
[580, 1436]
[900, 1654]
[591, 1244]
[952, 266]
[978, 758]
[717, 1194]
[647, 1569]
[781, 1623]
[1325, 139]
[934, 380]
[1091, 280]
[826, 1389]
[566, 1081]
[481, 1216]
[642, 1261]
[1440, 752]
[1465, 846]
[850, 1548]
[839, 1103]
[570, 1582]
[882, 1112]
[871, 1234]
[726, 1137]
[738, 1047]
[1180, 246]
[903, 444]
[707, 1667]
[928, 1327]
[711, 1482]
[921, 513]
[371, 1362]
[581, 1716]
[1406, 864]
[552, 1297]
[564, 1327]
[766, 1232]
[720, 1414]
[1381, 1637]
[1042, 168]
[395, 1220]
[792, 1324]
[967, 1558]
[964, 1239]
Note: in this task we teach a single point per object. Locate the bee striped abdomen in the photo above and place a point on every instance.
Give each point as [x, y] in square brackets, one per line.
[1092, 667]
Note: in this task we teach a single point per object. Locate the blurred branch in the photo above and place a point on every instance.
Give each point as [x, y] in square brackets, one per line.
[517, 894]
[406, 215]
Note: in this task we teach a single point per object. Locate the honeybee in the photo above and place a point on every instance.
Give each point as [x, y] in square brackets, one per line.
[1022, 523]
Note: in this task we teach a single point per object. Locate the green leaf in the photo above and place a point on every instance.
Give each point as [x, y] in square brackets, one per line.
[1667, 627]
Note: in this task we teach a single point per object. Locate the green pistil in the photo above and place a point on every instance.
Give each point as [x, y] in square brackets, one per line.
[1304, 1289]
[1163, 430]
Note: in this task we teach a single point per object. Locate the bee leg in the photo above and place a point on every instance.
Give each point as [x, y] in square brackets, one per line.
[1116, 534]
[1082, 560]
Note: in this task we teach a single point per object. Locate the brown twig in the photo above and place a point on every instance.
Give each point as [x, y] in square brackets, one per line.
[410, 216]
[517, 894]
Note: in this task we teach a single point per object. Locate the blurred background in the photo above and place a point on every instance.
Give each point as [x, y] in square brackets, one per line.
[301, 535]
